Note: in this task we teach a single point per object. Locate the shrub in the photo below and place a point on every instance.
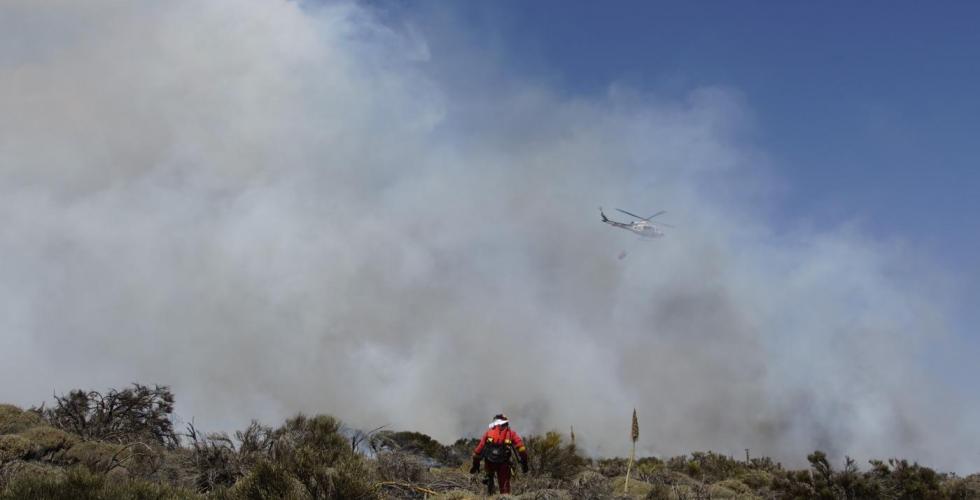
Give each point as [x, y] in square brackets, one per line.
[963, 488]
[269, 481]
[460, 452]
[319, 435]
[400, 466]
[721, 490]
[659, 491]
[707, 466]
[756, 479]
[648, 467]
[904, 480]
[853, 484]
[794, 484]
[549, 456]
[545, 494]
[454, 495]
[10, 471]
[314, 451]
[411, 442]
[612, 467]
[14, 447]
[734, 485]
[637, 487]
[139, 413]
[144, 490]
[352, 480]
[46, 441]
[94, 455]
[590, 484]
[764, 463]
[823, 482]
[664, 479]
[14, 420]
[77, 484]
[81, 484]
[310, 452]
[217, 462]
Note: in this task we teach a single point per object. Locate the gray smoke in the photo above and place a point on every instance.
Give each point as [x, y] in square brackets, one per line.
[276, 207]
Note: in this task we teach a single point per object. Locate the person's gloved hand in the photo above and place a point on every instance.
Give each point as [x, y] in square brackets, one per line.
[476, 466]
[524, 467]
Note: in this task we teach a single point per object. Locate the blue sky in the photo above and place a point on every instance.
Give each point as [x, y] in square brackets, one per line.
[867, 110]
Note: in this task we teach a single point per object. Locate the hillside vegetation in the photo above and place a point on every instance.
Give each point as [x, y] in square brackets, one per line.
[122, 444]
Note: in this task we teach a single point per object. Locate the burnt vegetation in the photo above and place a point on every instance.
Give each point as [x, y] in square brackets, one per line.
[123, 444]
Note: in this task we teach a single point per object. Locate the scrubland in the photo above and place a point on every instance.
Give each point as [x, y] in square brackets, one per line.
[123, 444]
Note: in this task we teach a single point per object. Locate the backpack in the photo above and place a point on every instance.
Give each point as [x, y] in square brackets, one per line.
[496, 451]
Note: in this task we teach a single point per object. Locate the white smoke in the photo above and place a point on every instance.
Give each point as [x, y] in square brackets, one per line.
[274, 208]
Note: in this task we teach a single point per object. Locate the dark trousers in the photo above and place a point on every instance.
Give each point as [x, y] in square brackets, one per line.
[502, 471]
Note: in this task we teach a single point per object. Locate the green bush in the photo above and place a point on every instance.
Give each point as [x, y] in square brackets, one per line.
[314, 451]
[589, 484]
[892, 479]
[707, 466]
[310, 452]
[400, 466]
[14, 447]
[721, 490]
[908, 480]
[548, 455]
[413, 442]
[352, 480]
[637, 487]
[11, 471]
[963, 488]
[94, 455]
[647, 466]
[734, 485]
[215, 460]
[319, 434]
[46, 441]
[268, 481]
[145, 490]
[78, 484]
[460, 452]
[612, 467]
[756, 479]
[14, 420]
[457, 495]
[659, 491]
[81, 484]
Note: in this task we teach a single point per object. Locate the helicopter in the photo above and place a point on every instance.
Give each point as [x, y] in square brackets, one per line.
[643, 226]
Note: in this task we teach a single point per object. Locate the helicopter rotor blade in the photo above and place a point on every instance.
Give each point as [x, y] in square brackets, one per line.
[656, 214]
[631, 215]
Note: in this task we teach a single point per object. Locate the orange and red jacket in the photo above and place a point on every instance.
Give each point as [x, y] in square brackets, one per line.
[501, 434]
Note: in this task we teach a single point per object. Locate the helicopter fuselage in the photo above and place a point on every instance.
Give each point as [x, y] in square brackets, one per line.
[642, 227]
[645, 229]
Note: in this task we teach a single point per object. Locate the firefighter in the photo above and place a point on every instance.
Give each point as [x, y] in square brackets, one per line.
[495, 449]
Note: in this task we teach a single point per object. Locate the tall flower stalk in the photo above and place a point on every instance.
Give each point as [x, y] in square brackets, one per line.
[634, 434]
